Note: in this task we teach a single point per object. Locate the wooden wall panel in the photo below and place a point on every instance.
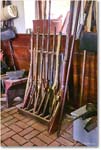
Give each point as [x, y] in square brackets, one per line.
[90, 82]
[21, 47]
[38, 25]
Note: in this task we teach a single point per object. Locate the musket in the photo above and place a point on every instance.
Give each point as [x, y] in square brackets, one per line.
[52, 90]
[46, 63]
[51, 77]
[39, 97]
[63, 99]
[32, 90]
[37, 48]
[52, 57]
[39, 94]
[53, 125]
[30, 75]
[36, 70]
[28, 81]
[48, 42]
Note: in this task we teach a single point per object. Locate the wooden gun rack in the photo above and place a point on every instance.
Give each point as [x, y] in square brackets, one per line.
[29, 112]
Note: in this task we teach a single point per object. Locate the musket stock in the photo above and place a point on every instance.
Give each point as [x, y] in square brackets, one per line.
[30, 75]
[40, 80]
[33, 87]
[55, 116]
[36, 71]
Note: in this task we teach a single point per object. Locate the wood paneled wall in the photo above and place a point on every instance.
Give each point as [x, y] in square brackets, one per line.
[21, 47]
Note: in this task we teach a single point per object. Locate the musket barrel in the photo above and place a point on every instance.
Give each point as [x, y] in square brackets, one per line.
[63, 99]
[52, 56]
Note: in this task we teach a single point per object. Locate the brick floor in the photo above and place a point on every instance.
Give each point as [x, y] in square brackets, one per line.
[4, 130]
[10, 122]
[19, 139]
[19, 130]
[37, 142]
[55, 143]
[39, 126]
[45, 138]
[65, 142]
[15, 128]
[26, 131]
[10, 142]
[28, 144]
[7, 135]
[32, 134]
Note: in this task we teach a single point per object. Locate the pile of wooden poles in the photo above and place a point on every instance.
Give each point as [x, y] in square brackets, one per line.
[46, 93]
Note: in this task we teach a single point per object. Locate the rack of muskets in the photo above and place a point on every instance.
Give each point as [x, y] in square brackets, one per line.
[47, 86]
[43, 76]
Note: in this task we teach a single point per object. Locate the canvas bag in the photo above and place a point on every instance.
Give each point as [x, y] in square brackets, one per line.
[8, 12]
[88, 39]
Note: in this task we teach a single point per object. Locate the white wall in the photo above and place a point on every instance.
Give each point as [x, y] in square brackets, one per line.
[29, 7]
[26, 13]
[20, 21]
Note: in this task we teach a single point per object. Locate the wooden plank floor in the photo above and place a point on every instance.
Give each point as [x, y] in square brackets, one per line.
[19, 130]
